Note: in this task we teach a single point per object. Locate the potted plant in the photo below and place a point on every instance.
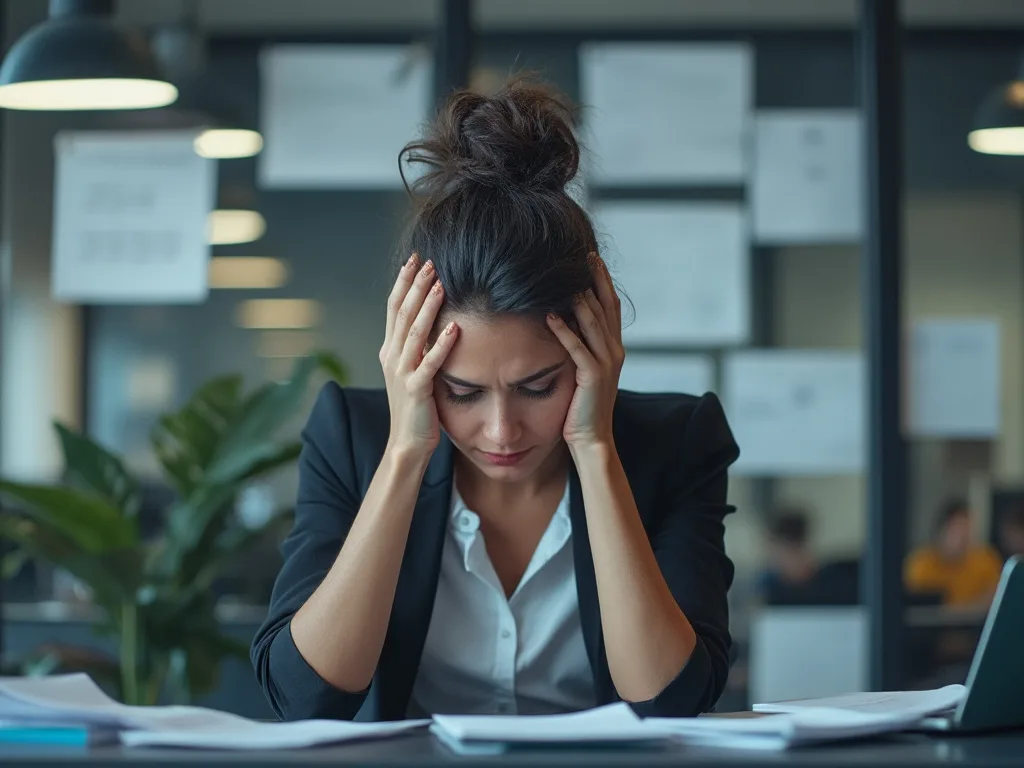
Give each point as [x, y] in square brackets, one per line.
[154, 595]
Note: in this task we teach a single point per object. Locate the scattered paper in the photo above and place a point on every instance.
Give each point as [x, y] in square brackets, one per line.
[666, 113]
[796, 412]
[611, 723]
[955, 378]
[917, 704]
[304, 733]
[649, 372]
[130, 218]
[783, 731]
[336, 116]
[807, 180]
[685, 267]
[77, 700]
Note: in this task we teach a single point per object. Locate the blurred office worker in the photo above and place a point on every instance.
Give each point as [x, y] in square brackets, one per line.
[963, 572]
[501, 530]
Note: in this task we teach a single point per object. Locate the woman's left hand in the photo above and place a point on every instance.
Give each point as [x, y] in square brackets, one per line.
[598, 357]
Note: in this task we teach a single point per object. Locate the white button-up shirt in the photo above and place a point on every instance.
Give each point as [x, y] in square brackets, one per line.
[486, 653]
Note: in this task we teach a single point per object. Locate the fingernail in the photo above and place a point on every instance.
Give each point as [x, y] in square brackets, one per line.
[450, 329]
[412, 261]
[437, 289]
[552, 317]
[428, 268]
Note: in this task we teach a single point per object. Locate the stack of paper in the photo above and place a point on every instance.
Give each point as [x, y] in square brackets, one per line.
[812, 721]
[75, 701]
[612, 725]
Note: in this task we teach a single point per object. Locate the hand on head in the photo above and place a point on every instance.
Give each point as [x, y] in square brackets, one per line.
[409, 368]
[598, 356]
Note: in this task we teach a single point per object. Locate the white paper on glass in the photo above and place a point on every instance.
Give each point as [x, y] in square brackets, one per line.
[130, 217]
[807, 176]
[684, 265]
[955, 378]
[336, 116]
[796, 412]
[666, 113]
[667, 372]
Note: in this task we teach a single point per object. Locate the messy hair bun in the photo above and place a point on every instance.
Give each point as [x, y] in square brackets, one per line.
[491, 208]
[523, 136]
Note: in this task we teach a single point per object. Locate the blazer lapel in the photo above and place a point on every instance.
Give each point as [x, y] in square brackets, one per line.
[417, 586]
[586, 592]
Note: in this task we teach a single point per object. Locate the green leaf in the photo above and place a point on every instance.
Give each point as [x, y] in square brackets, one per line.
[92, 468]
[192, 527]
[112, 577]
[250, 443]
[92, 523]
[12, 563]
[234, 541]
[186, 441]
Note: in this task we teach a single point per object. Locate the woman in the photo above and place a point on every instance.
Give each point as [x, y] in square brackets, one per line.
[501, 530]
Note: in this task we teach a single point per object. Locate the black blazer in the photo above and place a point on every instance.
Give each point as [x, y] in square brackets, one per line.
[675, 450]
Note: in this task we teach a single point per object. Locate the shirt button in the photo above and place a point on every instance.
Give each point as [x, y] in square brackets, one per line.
[505, 634]
[465, 523]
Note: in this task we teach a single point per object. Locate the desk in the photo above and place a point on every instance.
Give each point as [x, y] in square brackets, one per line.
[423, 750]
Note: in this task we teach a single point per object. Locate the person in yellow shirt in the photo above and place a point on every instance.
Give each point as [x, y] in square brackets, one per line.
[964, 572]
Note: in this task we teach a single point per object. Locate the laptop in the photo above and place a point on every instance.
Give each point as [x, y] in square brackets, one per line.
[995, 684]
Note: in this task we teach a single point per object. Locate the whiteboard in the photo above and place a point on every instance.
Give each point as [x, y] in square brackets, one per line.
[130, 217]
[685, 267]
[796, 412]
[955, 378]
[336, 116]
[807, 184]
[667, 372]
[666, 113]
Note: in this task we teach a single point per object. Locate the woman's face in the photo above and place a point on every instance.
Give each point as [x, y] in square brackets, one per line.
[503, 394]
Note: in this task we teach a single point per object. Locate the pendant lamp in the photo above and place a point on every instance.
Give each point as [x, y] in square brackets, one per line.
[80, 59]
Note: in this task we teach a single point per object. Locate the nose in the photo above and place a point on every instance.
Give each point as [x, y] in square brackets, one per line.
[502, 428]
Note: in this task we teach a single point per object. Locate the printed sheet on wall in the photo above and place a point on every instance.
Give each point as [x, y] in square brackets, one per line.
[131, 217]
[955, 377]
[807, 180]
[796, 412]
[666, 113]
[336, 116]
[685, 267]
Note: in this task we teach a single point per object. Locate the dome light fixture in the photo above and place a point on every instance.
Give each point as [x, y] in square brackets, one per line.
[80, 59]
[999, 124]
[203, 102]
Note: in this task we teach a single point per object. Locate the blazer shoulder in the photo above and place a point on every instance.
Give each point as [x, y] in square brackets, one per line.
[656, 425]
[350, 421]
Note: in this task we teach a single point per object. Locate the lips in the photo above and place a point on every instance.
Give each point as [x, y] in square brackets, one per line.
[504, 459]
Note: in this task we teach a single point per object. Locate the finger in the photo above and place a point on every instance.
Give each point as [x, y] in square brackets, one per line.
[577, 349]
[411, 304]
[595, 306]
[416, 341]
[435, 357]
[608, 297]
[398, 292]
[590, 324]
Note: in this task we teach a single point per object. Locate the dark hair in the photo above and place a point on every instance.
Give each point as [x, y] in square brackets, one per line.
[491, 210]
[950, 510]
[789, 525]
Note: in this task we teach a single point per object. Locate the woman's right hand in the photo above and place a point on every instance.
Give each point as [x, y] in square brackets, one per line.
[408, 370]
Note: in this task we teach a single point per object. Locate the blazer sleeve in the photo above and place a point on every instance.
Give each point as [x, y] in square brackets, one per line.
[689, 545]
[326, 506]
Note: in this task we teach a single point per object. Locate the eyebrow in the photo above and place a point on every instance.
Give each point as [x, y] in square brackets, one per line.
[527, 380]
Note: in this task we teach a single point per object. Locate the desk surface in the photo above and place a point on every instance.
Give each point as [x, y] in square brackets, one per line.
[419, 750]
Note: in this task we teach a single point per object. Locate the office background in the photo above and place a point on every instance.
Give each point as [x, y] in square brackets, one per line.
[962, 254]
